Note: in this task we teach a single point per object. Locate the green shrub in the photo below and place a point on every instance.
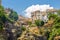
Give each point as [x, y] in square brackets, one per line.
[32, 25]
[57, 20]
[23, 28]
[1, 27]
[39, 22]
[29, 22]
[52, 16]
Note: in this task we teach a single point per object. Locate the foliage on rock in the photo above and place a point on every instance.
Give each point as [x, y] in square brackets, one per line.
[39, 22]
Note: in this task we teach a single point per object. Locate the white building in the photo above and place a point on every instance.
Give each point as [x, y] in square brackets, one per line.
[41, 15]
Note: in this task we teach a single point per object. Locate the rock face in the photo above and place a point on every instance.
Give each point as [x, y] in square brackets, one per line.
[40, 37]
[32, 34]
[32, 37]
[10, 32]
[57, 38]
[3, 35]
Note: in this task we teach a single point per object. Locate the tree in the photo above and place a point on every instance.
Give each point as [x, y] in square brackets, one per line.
[2, 17]
[39, 22]
[13, 15]
[55, 31]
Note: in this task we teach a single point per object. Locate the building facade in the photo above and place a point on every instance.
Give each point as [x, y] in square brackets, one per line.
[37, 15]
[41, 15]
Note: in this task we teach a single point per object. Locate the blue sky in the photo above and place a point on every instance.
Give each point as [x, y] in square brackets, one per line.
[20, 5]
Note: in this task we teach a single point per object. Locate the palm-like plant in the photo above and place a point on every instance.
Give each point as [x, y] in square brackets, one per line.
[3, 17]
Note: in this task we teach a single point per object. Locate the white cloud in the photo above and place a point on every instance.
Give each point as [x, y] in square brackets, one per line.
[35, 8]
